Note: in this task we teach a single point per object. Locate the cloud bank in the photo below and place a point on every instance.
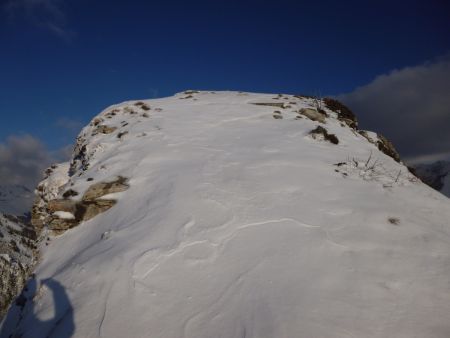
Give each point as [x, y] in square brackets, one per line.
[411, 107]
[23, 160]
[69, 124]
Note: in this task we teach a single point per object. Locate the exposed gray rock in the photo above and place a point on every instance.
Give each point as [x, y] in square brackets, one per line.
[100, 189]
[121, 134]
[87, 208]
[104, 129]
[271, 104]
[313, 114]
[344, 113]
[47, 190]
[387, 147]
[80, 159]
[382, 143]
[96, 121]
[277, 115]
[321, 133]
[142, 105]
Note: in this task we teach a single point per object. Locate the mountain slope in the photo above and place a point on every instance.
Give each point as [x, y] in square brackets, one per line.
[15, 199]
[436, 175]
[233, 220]
[17, 258]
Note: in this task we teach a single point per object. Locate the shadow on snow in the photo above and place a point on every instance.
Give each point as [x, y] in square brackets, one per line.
[21, 320]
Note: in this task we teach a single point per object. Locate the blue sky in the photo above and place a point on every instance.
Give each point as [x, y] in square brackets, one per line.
[63, 61]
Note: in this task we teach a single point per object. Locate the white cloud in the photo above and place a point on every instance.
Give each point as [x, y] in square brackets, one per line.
[427, 159]
[69, 124]
[410, 106]
[63, 154]
[48, 14]
[24, 158]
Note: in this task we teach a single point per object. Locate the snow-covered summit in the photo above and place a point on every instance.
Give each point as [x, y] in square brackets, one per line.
[228, 214]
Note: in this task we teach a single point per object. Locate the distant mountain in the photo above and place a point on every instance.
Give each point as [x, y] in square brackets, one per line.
[436, 175]
[16, 199]
[231, 214]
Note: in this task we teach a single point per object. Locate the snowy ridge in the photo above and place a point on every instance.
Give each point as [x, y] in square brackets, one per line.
[239, 223]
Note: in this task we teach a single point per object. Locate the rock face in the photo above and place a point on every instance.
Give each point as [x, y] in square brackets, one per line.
[387, 147]
[56, 178]
[66, 213]
[321, 133]
[103, 129]
[58, 205]
[344, 113]
[313, 114]
[271, 104]
[383, 144]
[61, 214]
[18, 256]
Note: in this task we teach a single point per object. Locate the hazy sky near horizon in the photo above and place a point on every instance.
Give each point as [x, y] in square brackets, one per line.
[63, 61]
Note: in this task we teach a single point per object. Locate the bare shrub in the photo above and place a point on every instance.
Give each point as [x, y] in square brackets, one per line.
[344, 113]
[322, 132]
[372, 169]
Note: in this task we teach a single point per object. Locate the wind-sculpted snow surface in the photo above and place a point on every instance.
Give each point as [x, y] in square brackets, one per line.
[237, 223]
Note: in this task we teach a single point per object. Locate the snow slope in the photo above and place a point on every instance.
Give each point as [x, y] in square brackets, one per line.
[238, 224]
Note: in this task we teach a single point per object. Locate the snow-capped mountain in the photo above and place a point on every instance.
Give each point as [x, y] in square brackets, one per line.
[230, 214]
[436, 175]
[15, 199]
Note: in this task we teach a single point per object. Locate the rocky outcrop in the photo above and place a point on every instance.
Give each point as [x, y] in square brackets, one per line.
[387, 147]
[55, 178]
[382, 143]
[18, 255]
[63, 214]
[313, 114]
[344, 113]
[80, 158]
[103, 129]
[59, 205]
[60, 209]
[271, 104]
[320, 133]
